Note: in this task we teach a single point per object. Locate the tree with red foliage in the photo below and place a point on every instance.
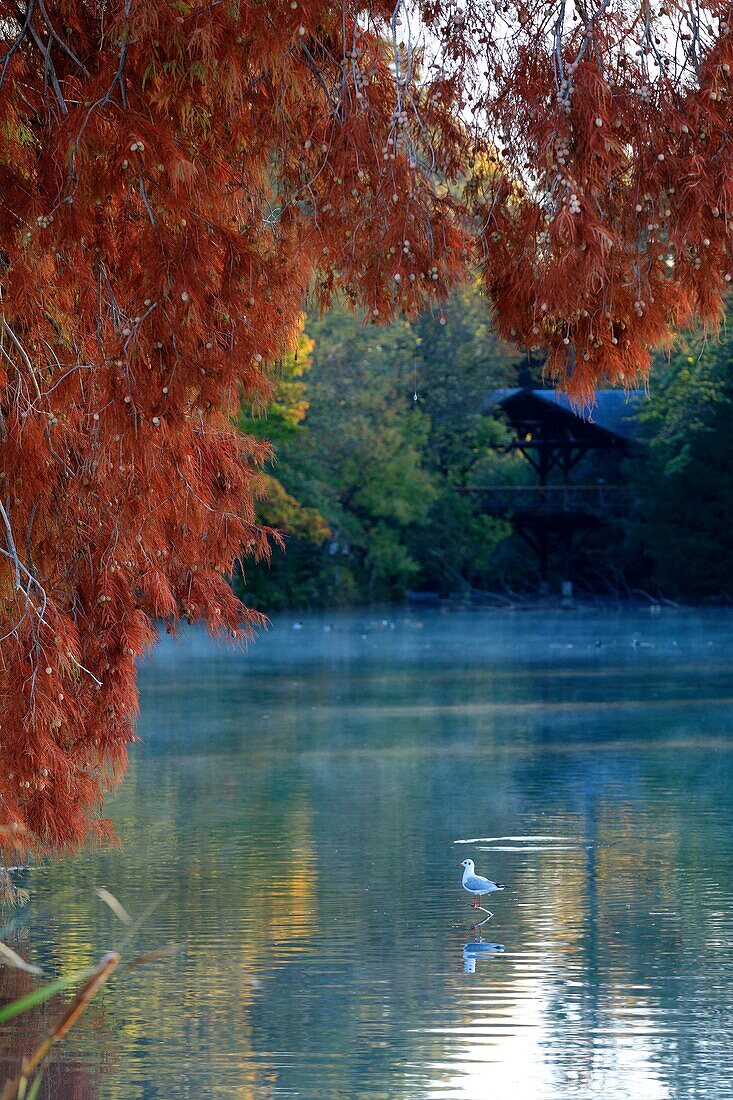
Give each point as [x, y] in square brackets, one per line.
[178, 178]
[608, 216]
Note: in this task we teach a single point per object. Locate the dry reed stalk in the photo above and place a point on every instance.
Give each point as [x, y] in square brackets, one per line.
[17, 1089]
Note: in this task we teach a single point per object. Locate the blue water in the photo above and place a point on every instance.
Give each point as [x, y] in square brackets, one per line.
[298, 812]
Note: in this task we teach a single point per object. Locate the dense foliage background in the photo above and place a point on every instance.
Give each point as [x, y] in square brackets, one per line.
[376, 431]
[683, 481]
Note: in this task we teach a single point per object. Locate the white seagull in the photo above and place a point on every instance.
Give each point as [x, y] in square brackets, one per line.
[477, 885]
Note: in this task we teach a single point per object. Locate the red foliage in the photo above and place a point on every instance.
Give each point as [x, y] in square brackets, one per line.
[174, 178]
[177, 178]
[606, 207]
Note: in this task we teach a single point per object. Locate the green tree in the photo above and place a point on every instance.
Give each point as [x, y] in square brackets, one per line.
[459, 362]
[349, 478]
[377, 432]
[684, 481]
[302, 529]
[363, 453]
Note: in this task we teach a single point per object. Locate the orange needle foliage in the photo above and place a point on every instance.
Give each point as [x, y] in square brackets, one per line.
[173, 178]
[177, 178]
[607, 208]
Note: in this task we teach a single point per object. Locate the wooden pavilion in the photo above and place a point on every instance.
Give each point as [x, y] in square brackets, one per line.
[561, 441]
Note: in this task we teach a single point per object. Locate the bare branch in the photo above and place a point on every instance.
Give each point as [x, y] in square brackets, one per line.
[59, 40]
[25, 24]
[11, 545]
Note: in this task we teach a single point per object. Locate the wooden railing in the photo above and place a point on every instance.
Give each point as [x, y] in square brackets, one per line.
[551, 499]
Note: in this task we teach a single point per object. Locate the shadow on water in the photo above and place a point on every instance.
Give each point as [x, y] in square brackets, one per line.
[299, 806]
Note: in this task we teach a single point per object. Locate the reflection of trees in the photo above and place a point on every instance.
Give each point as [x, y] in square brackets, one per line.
[633, 918]
[71, 1078]
[315, 845]
[204, 846]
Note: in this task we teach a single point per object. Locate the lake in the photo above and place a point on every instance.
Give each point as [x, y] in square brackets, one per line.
[298, 813]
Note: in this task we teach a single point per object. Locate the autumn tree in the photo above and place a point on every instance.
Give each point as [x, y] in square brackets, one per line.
[174, 178]
[177, 178]
[607, 207]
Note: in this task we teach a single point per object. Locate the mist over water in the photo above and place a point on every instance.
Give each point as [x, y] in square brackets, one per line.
[303, 808]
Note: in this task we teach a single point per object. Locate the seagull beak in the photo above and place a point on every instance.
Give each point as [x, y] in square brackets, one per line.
[459, 865]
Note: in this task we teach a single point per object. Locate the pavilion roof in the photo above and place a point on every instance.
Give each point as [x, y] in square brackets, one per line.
[614, 411]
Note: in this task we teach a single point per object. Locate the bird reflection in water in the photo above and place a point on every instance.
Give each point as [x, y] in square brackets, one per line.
[478, 950]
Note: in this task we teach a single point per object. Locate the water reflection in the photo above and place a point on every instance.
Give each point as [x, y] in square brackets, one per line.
[478, 950]
[299, 806]
[67, 1077]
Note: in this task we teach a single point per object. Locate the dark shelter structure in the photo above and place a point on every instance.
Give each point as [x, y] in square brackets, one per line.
[561, 442]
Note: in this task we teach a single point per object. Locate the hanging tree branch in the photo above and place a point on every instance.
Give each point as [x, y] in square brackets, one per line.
[178, 181]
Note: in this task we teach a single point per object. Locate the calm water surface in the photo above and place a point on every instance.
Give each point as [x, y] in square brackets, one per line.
[301, 810]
